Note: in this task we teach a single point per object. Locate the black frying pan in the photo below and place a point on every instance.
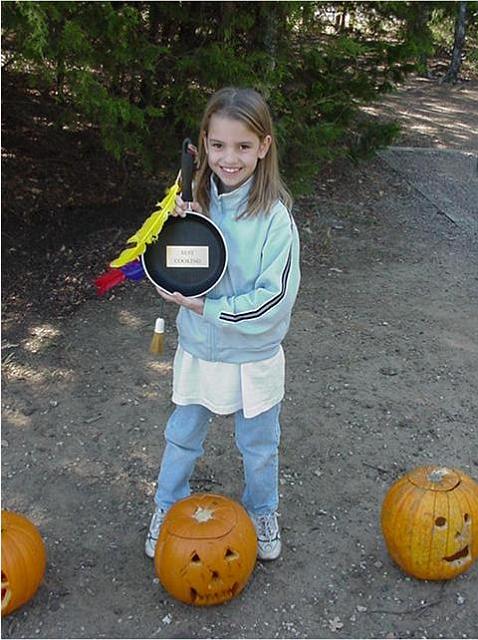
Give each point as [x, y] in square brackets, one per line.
[190, 254]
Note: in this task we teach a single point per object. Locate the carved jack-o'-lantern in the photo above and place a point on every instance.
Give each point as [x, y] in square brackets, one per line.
[430, 522]
[206, 550]
[23, 560]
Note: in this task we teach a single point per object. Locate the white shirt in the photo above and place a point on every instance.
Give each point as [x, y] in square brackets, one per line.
[225, 388]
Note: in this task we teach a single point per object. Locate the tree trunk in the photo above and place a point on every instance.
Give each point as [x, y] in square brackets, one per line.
[147, 79]
[341, 17]
[421, 27]
[227, 15]
[266, 33]
[460, 30]
[271, 31]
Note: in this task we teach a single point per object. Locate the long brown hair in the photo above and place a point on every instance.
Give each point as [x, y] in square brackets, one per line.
[250, 108]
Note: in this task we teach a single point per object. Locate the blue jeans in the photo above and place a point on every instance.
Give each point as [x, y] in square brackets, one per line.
[257, 439]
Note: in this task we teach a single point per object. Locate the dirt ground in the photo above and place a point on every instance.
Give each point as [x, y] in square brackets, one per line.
[381, 377]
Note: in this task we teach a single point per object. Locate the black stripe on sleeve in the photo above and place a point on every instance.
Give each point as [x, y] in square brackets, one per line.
[267, 306]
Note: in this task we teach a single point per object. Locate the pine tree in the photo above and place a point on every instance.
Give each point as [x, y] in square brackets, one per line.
[143, 71]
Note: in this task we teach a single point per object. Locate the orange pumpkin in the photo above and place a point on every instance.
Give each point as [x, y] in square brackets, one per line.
[430, 522]
[206, 549]
[23, 560]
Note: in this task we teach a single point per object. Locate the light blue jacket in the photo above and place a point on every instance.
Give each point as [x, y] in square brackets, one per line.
[247, 314]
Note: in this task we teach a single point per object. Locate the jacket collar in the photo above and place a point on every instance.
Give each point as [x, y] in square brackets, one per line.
[232, 200]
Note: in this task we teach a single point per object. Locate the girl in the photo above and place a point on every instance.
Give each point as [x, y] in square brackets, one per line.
[229, 357]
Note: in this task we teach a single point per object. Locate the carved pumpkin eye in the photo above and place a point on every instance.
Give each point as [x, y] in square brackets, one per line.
[195, 559]
[230, 555]
[440, 521]
[466, 517]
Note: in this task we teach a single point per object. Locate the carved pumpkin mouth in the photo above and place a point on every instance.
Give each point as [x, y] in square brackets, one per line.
[6, 592]
[459, 555]
[212, 598]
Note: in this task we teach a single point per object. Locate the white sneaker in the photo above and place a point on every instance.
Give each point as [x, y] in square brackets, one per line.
[153, 533]
[268, 536]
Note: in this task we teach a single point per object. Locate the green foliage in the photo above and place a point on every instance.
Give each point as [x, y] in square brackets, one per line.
[143, 71]
[369, 136]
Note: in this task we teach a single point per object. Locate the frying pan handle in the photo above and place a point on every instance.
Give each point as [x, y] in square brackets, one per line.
[187, 165]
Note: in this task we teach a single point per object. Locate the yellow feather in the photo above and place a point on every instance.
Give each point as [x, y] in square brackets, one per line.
[150, 229]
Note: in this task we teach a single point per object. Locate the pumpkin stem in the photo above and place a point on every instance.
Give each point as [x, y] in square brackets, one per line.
[437, 475]
[203, 514]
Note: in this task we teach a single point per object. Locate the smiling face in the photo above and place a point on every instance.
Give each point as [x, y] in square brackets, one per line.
[233, 150]
[430, 522]
[206, 550]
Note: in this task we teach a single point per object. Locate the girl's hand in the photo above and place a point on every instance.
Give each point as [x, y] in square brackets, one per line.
[195, 304]
[181, 207]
